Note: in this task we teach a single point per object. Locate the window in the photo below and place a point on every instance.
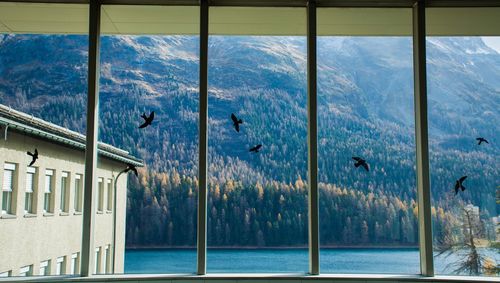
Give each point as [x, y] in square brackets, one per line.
[61, 265]
[109, 197]
[48, 195]
[257, 170]
[26, 270]
[29, 200]
[98, 263]
[100, 195]
[6, 274]
[159, 74]
[75, 263]
[64, 191]
[8, 188]
[368, 209]
[45, 268]
[78, 193]
[107, 258]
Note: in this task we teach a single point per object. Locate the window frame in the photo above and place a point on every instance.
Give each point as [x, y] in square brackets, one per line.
[49, 194]
[9, 190]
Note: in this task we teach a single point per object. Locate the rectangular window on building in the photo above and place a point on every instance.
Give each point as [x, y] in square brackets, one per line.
[8, 188]
[61, 265]
[78, 193]
[48, 195]
[6, 274]
[64, 191]
[75, 263]
[30, 189]
[45, 268]
[107, 258]
[26, 270]
[109, 195]
[97, 266]
[100, 200]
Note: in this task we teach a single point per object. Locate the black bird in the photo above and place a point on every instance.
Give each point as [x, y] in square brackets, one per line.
[459, 184]
[361, 162]
[132, 168]
[147, 120]
[256, 148]
[34, 156]
[481, 140]
[236, 122]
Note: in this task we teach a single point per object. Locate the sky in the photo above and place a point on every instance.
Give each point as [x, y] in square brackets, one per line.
[493, 42]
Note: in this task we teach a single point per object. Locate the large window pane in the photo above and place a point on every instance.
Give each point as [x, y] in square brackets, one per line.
[368, 210]
[43, 95]
[149, 107]
[463, 97]
[257, 200]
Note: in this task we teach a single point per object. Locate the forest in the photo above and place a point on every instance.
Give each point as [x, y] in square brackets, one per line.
[365, 108]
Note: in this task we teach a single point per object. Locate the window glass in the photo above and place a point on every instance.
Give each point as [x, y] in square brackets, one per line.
[43, 107]
[44, 268]
[463, 98]
[64, 192]
[8, 192]
[257, 140]
[148, 107]
[29, 200]
[78, 197]
[366, 142]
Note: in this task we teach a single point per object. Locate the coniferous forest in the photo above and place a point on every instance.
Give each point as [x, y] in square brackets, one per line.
[365, 108]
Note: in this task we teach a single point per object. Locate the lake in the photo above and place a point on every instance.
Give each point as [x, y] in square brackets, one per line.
[394, 261]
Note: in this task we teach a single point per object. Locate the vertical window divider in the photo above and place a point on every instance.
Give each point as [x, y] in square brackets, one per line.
[312, 139]
[422, 144]
[89, 205]
[202, 143]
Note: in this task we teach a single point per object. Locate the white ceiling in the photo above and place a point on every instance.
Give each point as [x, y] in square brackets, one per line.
[128, 19]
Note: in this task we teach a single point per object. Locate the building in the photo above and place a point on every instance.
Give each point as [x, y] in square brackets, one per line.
[41, 218]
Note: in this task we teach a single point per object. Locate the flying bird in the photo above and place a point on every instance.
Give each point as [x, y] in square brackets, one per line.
[236, 122]
[256, 148]
[459, 184]
[481, 140]
[147, 120]
[34, 156]
[361, 162]
[132, 168]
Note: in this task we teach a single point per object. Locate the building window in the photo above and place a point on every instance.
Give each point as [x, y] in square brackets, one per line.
[30, 188]
[75, 263]
[78, 193]
[110, 195]
[64, 191]
[107, 258]
[61, 265]
[6, 274]
[45, 267]
[100, 200]
[26, 270]
[97, 266]
[48, 195]
[8, 188]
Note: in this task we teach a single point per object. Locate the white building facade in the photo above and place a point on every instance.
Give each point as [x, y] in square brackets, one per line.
[42, 205]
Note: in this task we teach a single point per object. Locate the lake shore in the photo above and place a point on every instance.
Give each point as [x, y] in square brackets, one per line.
[269, 247]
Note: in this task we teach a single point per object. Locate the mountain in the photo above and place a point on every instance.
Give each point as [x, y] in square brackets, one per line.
[365, 107]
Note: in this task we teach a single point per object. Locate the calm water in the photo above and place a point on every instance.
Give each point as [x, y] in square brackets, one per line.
[396, 261]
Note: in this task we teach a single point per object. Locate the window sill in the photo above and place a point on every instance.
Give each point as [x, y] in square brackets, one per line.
[255, 277]
[99, 212]
[29, 215]
[77, 213]
[48, 214]
[109, 211]
[8, 216]
[62, 213]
